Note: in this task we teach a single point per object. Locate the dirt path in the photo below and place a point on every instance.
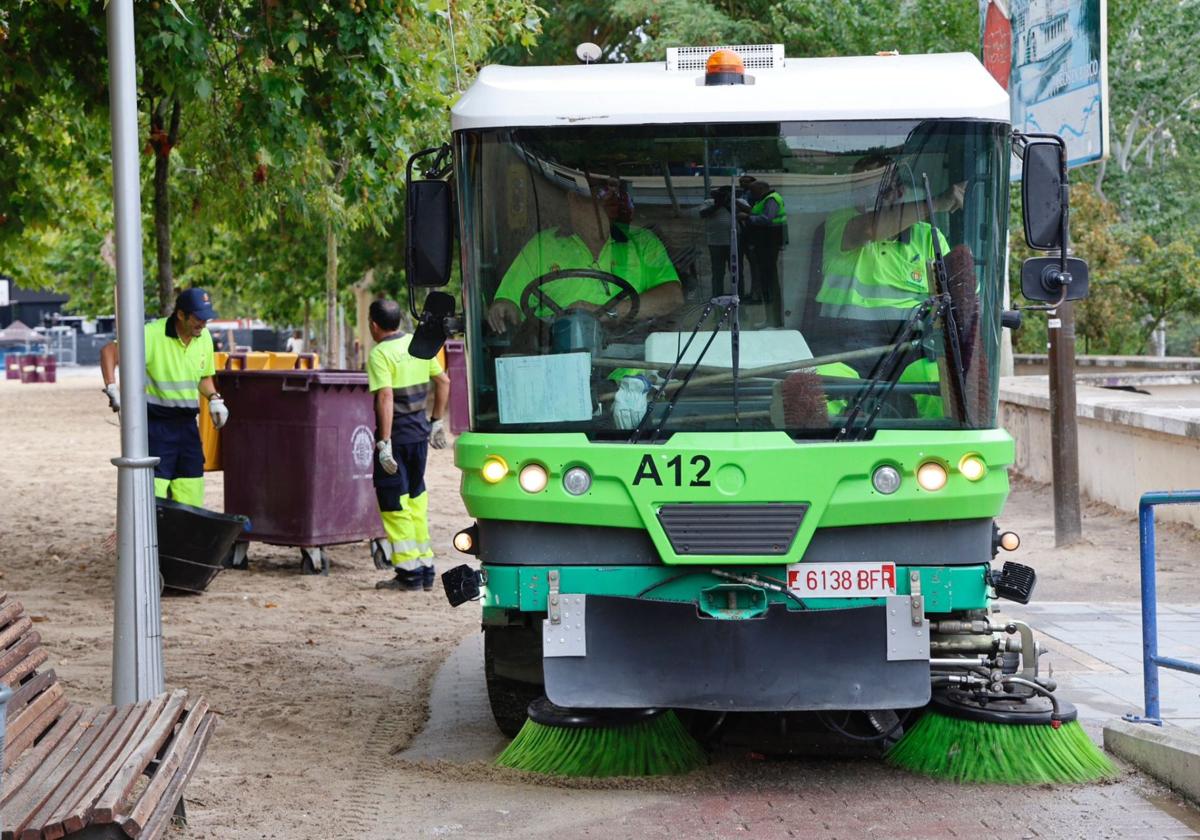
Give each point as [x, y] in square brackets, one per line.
[319, 681]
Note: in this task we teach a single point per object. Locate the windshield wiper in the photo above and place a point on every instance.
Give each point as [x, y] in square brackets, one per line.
[730, 308]
[942, 278]
[728, 304]
[886, 372]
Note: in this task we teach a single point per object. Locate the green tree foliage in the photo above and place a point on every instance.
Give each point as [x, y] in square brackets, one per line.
[271, 128]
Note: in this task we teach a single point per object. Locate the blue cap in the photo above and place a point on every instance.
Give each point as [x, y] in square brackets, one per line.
[196, 302]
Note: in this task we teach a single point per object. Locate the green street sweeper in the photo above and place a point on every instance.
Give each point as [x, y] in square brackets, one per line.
[733, 331]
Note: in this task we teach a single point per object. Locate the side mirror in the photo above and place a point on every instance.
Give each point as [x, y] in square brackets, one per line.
[429, 233]
[1044, 194]
[1045, 279]
[436, 324]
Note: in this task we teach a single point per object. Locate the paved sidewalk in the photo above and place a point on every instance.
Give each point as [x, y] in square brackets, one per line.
[1096, 654]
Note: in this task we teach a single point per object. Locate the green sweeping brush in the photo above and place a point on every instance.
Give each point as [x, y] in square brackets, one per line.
[975, 745]
[601, 743]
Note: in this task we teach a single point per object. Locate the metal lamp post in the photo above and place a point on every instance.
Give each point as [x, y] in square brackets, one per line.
[137, 620]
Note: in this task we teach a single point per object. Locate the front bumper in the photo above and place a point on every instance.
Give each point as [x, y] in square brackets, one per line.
[637, 653]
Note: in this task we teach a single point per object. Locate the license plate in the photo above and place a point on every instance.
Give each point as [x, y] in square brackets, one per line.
[842, 580]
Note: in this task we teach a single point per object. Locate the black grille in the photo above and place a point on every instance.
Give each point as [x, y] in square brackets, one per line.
[731, 529]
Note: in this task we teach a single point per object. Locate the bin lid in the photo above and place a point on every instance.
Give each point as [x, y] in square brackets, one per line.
[320, 376]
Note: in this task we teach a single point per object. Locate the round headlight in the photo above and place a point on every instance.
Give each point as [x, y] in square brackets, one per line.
[577, 481]
[494, 469]
[886, 480]
[533, 478]
[464, 542]
[931, 476]
[972, 467]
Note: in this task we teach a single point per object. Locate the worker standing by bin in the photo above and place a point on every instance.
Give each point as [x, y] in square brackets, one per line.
[179, 368]
[403, 434]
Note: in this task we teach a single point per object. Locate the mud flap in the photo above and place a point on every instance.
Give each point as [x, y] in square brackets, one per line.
[642, 653]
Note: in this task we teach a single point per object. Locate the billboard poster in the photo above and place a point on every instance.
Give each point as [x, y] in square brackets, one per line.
[1052, 58]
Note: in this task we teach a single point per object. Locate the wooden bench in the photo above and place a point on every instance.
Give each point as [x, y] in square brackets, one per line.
[81, 772]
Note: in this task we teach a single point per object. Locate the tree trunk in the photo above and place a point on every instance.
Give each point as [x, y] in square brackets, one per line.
[308, 339]
[162, 141]
[332, 340]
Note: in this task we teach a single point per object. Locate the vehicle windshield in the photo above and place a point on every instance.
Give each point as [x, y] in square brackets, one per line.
[592, 254]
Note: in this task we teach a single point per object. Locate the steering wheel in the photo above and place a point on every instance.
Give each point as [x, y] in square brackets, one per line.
[534, 291]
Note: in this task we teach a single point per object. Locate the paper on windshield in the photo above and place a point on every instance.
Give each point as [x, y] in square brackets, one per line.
[544, 389]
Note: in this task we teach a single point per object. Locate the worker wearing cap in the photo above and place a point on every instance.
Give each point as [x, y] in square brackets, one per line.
[179, 368]
[403, 435]
[600, 237]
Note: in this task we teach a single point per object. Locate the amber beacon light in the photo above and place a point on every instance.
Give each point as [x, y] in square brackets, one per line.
[724, 67]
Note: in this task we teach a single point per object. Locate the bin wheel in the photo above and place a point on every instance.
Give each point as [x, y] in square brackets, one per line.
[236, 559]
[379, 556]
[314, 561]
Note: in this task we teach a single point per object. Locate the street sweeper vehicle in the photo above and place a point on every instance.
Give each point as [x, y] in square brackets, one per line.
[733, 328]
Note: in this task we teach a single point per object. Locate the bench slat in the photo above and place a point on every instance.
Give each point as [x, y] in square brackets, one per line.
[9, 613]
[21, 803]
[137, 815]
[25, 639]
[93, 764]
[18, 771]
[26, 693]
[15, 630]
[35, 719]
[160, 817]
[25, 667]
[134, 760]
[52, 787]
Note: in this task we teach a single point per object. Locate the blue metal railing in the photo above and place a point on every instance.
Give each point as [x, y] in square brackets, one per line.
[1151, 661]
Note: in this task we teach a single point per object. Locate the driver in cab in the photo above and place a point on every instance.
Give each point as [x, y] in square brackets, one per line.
[600, 240]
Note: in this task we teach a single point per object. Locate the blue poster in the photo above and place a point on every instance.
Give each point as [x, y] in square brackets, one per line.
[1053, 56]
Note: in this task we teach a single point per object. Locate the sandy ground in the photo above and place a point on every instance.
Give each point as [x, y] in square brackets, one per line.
[320, 681]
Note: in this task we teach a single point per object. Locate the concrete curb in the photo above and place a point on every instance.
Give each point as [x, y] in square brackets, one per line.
[1168, 753]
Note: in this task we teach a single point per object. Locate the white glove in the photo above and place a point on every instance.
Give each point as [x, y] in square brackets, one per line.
[437, 434]
[629, 405]
[218, 412]
[114, 396]
[386, 460]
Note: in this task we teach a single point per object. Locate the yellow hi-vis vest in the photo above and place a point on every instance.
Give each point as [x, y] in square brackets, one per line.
[174, 371]
[760, 206]
[881, 281]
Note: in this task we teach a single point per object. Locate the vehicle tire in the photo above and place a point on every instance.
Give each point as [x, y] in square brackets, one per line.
[509, 698]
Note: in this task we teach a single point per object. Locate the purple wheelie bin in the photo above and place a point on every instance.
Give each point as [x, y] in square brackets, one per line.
[298, 454]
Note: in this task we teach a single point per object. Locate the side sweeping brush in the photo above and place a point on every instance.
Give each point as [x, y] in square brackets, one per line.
[601, 742]
[1016, 748]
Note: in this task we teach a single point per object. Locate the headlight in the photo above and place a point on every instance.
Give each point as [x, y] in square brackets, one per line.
[577, 481]
[533, 478]
[931, 476]
[494, 469]
[972, 467]
[464, 540]
[886, 480]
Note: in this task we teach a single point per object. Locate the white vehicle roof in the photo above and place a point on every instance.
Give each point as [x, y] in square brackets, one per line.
[946, 86]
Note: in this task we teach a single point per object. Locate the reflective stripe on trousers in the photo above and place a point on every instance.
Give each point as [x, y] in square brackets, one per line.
[408, 531]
